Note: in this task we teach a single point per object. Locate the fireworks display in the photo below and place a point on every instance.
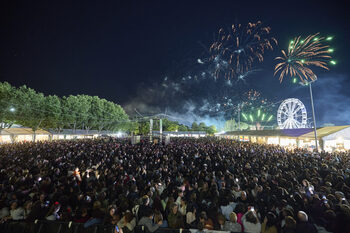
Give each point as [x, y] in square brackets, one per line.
[195, 89]
[255, 109]
[236, 49]
[303, 53]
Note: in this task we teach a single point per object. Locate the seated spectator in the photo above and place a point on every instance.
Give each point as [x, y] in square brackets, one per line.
[158, 217]
[146, 221]
[82, 216]
[97, 215]
[16, 212]
[232, 225]
[127, 222]
[27, 208]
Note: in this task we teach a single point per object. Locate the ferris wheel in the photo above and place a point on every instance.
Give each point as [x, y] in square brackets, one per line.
[292, 114]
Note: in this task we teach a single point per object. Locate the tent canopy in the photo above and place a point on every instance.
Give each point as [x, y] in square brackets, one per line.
[325, 131]
[23, 131]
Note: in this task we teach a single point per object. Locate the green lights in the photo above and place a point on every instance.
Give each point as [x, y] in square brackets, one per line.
[290, 47]
[270, 118]
[302, 42]
[316, 39]
[292, 41]
[329, 38]
[333, 62]
[263, 117]
[251, 118]
[245, 116]
[331, 50]
[295, 80]
[259, 113]
[302, 61]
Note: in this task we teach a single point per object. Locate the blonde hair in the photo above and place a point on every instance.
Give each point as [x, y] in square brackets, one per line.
[233, 217]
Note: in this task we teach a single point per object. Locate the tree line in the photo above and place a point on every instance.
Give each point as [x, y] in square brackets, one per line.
[32, 109]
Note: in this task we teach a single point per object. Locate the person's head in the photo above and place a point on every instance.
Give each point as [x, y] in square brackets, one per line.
[111, 210]
[302, 216]
[14, 205]
[158, 217]
[28, 205]
[243, 195]
[221, 219]
[96, 205]
[84, 211]
[203, 217]
[251, 217]
[42, 197]
[236, 187]
[174, 208]
[145, 200]
[240, 208]
[271, 219]
[128, 217]
[233, 217]
[290, 222]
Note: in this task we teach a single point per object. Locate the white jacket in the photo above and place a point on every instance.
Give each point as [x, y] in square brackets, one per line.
[250, 227]
[17, 214]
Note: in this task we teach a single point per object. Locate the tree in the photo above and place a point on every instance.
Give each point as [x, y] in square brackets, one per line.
[183, 128]
[144, 127]
[30, 111]
[52, 113]
[211, 129]
[194, 127]
[76, 110]
[202, 126]
[8, 105]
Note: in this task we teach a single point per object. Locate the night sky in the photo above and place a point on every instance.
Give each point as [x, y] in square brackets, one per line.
[118, 49]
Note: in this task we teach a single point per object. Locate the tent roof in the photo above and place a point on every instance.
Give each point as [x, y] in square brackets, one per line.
[23, 131]
[274, 132]
[295, 133]
[325, 131]
[79, 132]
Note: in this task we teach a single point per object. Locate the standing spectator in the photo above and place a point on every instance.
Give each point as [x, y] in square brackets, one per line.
[233, 225]
[251, 222]
[175, 219]
[304, 226]
[269, 224]
[290, 225]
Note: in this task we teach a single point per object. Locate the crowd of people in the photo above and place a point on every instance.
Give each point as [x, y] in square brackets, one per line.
[204, 184]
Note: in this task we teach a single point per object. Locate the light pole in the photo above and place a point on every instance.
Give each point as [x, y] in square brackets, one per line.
[239, 117]
[306, 83]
